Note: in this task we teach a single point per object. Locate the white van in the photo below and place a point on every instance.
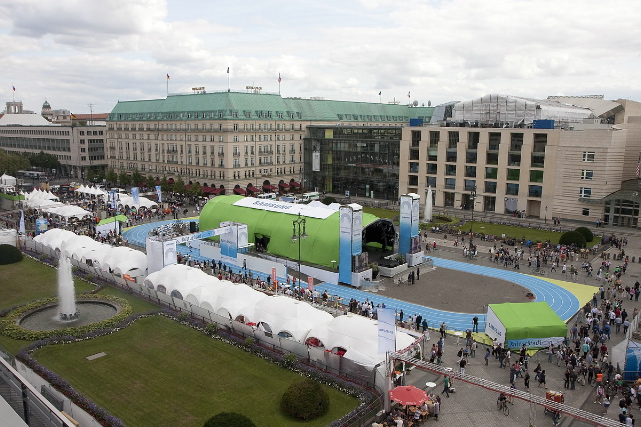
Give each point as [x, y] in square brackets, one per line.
[269, 196]
[308, 197]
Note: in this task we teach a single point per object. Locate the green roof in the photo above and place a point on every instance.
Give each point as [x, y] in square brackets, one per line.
[256, 106]
[320, 247]
[529, 320]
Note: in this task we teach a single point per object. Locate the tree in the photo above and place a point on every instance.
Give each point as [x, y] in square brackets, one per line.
[9, 254]
[137, 178]
[91, 175]
[305, 400]
[587, 233]
[196, 189]
[124, 178]
[179, 186]
[111, 177]
[150, 182]
[12, 163]
[44, 161]
[229, 419]
[572, 237]
[164, 184]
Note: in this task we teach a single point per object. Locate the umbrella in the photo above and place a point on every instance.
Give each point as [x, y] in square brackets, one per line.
[408, 395]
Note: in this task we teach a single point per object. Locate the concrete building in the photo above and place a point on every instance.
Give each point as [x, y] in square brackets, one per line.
[570, 168]
[78, 148]
[233, 140]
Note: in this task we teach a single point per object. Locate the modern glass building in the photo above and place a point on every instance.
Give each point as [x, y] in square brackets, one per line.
[353, 160]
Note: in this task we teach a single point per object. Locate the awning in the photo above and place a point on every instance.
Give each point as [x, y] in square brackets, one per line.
[294, 184]
[240, 191]
[270, 187]
[253, 189]
[283, 185]
[109, 220]
[218, 190]
[209, 190]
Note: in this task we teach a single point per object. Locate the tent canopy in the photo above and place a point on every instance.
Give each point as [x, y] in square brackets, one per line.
[121, 218]
[530, 323]
[320, 247]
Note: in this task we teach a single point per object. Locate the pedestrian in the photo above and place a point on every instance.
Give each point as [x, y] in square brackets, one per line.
[462, 364]
[446, 386]
[473, 348]
[487, 356]
[526, 381]
[606, 404]
[542, 379]
[475, 324]
[599, 394]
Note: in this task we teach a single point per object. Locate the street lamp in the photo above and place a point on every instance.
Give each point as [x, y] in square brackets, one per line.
[297, 235]
[472, 198]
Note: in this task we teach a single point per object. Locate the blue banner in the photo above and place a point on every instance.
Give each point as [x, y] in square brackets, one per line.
[345, 245]
[113, 199]
[159, 193]
[135, 196]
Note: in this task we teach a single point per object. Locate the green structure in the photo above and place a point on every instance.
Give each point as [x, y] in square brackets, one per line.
[534, 324]
[273, 230]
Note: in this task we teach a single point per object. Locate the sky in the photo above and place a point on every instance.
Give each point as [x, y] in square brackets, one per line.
[84, 55]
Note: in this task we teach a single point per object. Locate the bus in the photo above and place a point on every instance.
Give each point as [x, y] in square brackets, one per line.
[40, 176]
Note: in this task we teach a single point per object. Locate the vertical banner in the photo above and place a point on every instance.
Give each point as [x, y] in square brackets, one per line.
[113, 199]
[41, 225]
[169, 253]
[243, 238]
[21, 229]
[274, 274]
[135, 196]
[316, 161]
[345, 245]
[357, 229]
[159, 193]
[386, 330]
[405, 226]
[228, 242]
[310, 283]
[416, 200]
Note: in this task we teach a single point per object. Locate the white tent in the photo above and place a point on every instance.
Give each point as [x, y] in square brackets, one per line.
[67, 211]
[142, 201]
[357, 335]
[123, 260]
[235, 297]
[288, 316]
[7, 180]
[54, 237]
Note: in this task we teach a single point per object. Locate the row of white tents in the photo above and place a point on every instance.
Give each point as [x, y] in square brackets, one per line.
[118, 259]
[279, 315]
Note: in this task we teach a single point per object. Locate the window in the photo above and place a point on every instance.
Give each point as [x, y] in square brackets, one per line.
[494, 142]
[585, 192]
[536, 176]
[432, 168]
[412, 180]
[490, 187]
[588, 156]
[470, 171]
[513, 174]
[453, 138]
[450, 183]
[470, 185]
[491, 173]
[413, 167]
[450, 170]
[434, 138]
[587, 174]
[535, 191]
[512, 189]
[585, 212]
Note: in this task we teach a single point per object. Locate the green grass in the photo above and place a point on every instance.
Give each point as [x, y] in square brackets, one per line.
[138, 305]
[158, 372]
[516, 232]
[28, 280]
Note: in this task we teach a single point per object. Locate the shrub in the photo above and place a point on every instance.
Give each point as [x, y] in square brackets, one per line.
[229, 419]
[587, 233]
[572, 237]
[9, 254]
[329, 200]
[305, 400]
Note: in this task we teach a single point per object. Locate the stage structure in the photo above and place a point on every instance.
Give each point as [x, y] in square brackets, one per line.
[409, 241]
[162, 249]
[353, 266]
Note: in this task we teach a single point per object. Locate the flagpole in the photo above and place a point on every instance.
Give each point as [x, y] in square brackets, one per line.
[228, 85]
[279, 79]
[167, 86]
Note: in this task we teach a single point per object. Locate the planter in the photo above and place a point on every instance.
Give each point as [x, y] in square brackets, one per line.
[391, 272]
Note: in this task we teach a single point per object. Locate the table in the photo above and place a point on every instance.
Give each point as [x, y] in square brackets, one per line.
[458, 334]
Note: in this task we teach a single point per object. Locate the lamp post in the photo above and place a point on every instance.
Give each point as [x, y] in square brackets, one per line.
[297, 235]
[546, 214]
[472, 198]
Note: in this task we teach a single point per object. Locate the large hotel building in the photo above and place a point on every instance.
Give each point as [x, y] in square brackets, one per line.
[568, 157]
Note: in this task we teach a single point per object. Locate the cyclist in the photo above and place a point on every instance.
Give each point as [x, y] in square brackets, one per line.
[501, 401]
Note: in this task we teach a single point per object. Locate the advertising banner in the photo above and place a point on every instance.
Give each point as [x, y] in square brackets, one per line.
[316, 161]
[41, 225]
[386, 330]
[405, 225]
[494, 327]
[345, 245]
[416, 200]
[159, 193]
[310, 283]
[112, 197]
[170, 256]
[135, 195]
[357, 230]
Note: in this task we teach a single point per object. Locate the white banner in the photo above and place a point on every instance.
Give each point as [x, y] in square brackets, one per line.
[21, 229]
[535, 342]
[386, 330]
[284, 207]
[493, 326]
[159, 193]
[135, 195]
[316, 161]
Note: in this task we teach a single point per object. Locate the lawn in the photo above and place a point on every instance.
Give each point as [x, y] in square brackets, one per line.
[158, 372]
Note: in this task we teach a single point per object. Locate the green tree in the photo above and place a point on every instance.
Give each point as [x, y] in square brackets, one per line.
[196, 189]
[150, 181]
[91, 175]
[229, 419]
[124, 179]
[179, 186]
[111, 177]
[137, 178]
[44, 161]
[12, 163]
[572, 237]
[305, 400]
[164, 184]
[587, 233]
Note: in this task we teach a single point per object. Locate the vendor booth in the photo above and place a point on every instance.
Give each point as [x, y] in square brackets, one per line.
[534, 324]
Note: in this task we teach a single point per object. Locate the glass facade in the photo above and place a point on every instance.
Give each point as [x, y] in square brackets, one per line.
[361, 160]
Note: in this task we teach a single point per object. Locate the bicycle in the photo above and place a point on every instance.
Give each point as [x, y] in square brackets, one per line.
[502, 406]
[538, 270]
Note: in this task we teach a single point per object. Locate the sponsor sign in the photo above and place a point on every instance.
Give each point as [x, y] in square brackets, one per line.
[493, 326]
[284, 207]
[535, 342]
[386, 330]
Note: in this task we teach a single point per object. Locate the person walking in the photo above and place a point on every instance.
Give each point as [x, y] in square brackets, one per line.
[526, 381]
[462, 364]
[446, 385]
[487, 356]
[542, 379]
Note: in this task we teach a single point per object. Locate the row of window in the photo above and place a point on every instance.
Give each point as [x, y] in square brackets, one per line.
[206, 115]
[213, 127]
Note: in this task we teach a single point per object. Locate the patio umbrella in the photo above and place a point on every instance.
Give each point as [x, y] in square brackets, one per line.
[408, 395]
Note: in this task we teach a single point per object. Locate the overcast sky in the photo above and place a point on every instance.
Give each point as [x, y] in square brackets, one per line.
[75, 53]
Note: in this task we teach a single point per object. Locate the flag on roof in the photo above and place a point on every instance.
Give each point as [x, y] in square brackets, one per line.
[408, 94]
[380, 92]
[168, 77]
[227, 70]
[279, 79]
[14, 88]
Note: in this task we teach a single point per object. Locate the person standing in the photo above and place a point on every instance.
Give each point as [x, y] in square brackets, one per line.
[526, 381]
[473, 348]
[487, 356]
[475, 324]
[462, 364]
[542, 379]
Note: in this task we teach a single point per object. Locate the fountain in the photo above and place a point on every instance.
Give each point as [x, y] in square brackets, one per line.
[66, 292]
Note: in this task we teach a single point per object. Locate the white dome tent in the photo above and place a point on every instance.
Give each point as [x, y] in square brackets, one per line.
[288, 317]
